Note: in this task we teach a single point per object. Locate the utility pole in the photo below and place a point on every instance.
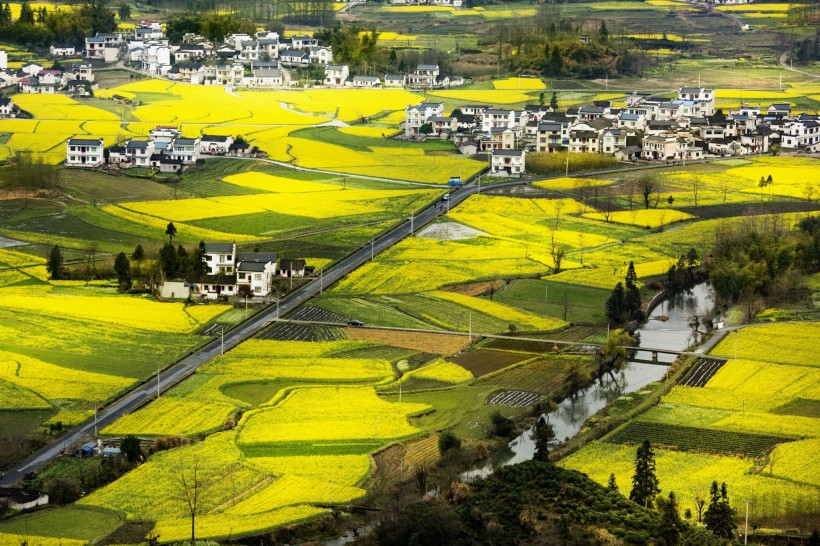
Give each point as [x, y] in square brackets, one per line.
[470, 334]
[222, 340]
[746, 530]
[566, 173]
[95, 420]
[411, 223]
[737, 333]
[321, 287]
[157, 382]
[546, 293]
[371, 250]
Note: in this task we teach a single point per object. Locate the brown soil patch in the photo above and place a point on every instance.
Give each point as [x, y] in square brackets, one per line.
[483, 361]
[441, 344]
[476, 288]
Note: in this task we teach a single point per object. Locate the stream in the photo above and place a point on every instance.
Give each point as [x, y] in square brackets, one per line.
[567, 419]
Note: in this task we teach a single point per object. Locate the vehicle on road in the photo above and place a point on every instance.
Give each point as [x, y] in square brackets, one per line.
[354, 322]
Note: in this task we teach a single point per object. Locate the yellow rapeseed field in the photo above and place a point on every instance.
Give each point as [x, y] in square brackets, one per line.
[784, 343]
[649, 218]
[524, 319]
[534, 84]
[123, 310]
[327, 414]
[440, 370]
[410, 166]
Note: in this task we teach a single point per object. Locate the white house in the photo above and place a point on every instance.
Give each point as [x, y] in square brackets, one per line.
[215, 144]
[423, 76]
[300, 42]
[84, 152]
[256, 269]
[508, 162]
[659, 147]
[365, 81]
[320, 55]
[416, 116]
[219, 258]
[704, 99]
[493, 118]
[336, 74]
[294, 58]
[7, 108]
[4, 59]
[268, 77]
[62, 51]
[138, 152]
[393, 80]
[185, 150]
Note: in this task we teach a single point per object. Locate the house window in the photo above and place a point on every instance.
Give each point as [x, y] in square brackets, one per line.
[230, 289]
[241, 276]
[257, 289]
[205, 287]
[257, 277]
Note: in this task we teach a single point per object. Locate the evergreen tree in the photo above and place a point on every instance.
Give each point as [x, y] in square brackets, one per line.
[556, 64]
[168, 261]
[554, 101]
[122, 267]
[542, 99]
[5, 16]
[171, 232]
[543, 435]
[671, 524]
[616, 304]
[198, 265]
[720, 516]
[632, 296]
[54, 266]
[645, 481]
[26, 14]
[183, 261]
[612, 485]
[603, 32]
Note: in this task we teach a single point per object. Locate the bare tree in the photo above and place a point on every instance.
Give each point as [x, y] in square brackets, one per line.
[556, 249]
[191, 488]
[809, 189]
[647, 185]
[630, 193]
[724, 188]
[697, 184]
[607, 210]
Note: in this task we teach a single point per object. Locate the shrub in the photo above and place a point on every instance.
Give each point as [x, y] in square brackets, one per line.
[448, 441]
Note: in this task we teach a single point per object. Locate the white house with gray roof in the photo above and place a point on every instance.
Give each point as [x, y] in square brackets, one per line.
[508, 163]
[256, 269]
[84, 152]
[417, 115]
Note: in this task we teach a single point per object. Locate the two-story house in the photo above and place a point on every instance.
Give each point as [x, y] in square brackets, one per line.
[336, 74]
[424, 76]
[138, 152]
[417, 115]
[84, 152]
[256, 269]
[508, 162]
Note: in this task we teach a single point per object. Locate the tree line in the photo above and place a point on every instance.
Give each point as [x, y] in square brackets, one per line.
[64, 25]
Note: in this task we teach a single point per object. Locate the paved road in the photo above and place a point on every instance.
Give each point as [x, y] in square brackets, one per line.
[187, 365]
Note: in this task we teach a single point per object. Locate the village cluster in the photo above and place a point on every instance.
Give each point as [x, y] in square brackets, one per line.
[165, 149]
[263, 60]
[648, 128]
